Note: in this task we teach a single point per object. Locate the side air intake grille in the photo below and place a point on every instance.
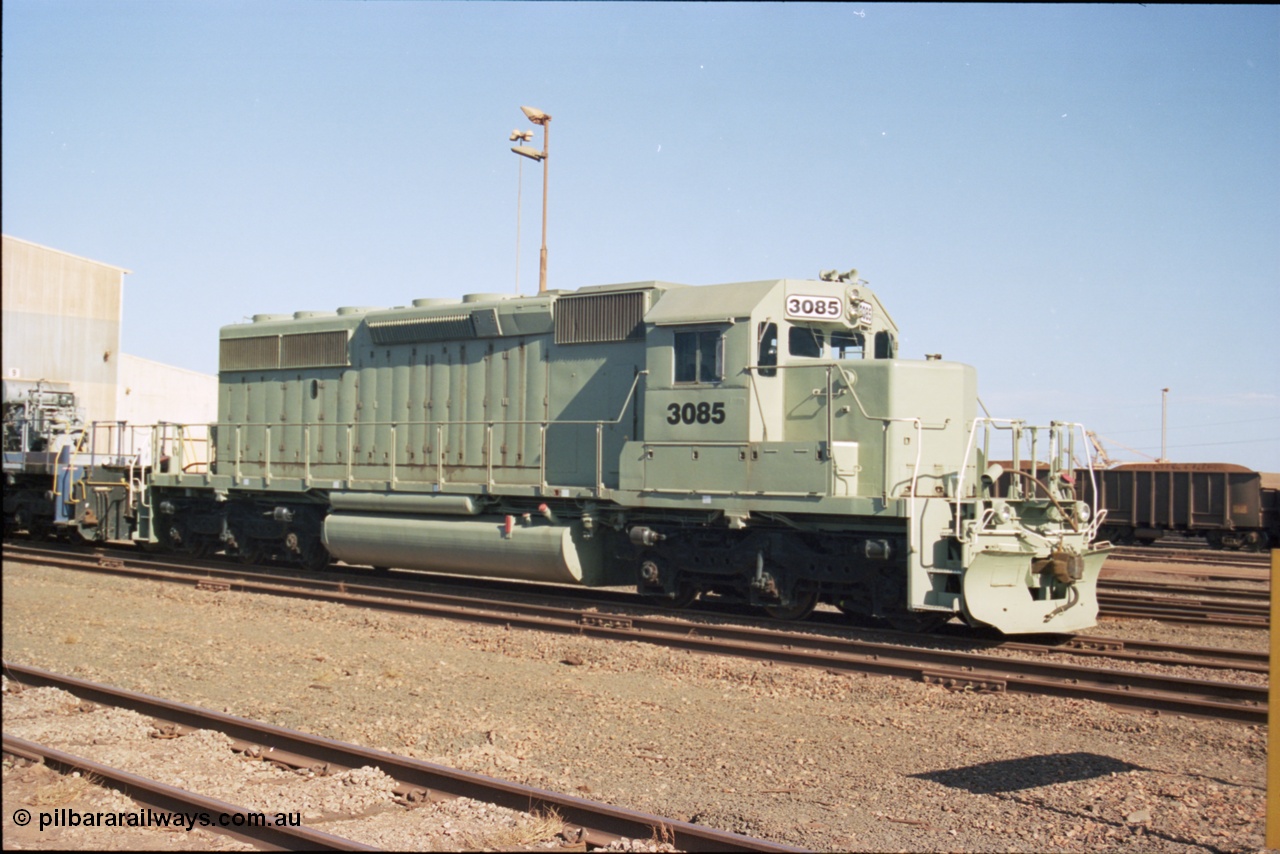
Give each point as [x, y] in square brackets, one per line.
[422, 329]
[600, 318]
[314, 350]
[268, 352]
[249, 354]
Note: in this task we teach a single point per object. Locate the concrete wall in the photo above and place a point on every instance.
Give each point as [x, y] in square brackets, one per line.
[61, 322]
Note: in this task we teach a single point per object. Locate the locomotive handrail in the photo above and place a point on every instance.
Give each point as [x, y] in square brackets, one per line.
[477, 421]
[1055, 453]
[964, 465]
[920, 426]
[1014, 425]
[850, 383]
[755, 395]
[1072, 427]
[489, 424]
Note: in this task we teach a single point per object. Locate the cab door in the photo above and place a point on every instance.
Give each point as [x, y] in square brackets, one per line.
[696, 409]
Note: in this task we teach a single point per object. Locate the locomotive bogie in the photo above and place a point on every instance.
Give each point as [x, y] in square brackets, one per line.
[250, 527]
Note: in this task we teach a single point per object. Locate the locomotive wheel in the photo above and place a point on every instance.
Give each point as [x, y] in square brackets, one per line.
[921, 622]
[249, 554]
[652, 574]
[685, 596]
[682, 598]
[856, 614]
[200, 548]
[315, 557]
[801, 606]
[169, 535]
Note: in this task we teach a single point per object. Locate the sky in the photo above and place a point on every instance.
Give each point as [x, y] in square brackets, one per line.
[1083, 202]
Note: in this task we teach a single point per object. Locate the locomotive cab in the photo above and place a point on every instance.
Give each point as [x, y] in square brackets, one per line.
[780, 410]
[719, 356]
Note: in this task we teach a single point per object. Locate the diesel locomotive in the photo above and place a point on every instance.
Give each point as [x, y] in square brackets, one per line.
[760, 442]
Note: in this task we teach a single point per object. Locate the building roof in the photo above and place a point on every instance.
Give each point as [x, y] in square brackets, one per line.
[68, 254]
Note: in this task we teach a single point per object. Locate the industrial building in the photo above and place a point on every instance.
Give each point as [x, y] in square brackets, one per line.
[62, 318]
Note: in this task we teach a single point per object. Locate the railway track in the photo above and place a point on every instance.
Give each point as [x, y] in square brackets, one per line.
[956, 669]
[1210, 604]
[1251, 596]
[477, 590]
[590, 823]
[1147, 652]
[171, 799]
[1191, 557]
[1203, 610]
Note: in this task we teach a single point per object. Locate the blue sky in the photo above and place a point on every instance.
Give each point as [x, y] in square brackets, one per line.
[1081, 201]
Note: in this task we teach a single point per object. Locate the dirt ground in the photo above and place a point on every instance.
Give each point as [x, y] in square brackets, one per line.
[801, 756]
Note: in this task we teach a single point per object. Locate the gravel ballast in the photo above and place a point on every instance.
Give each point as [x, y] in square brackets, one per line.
[802, 756]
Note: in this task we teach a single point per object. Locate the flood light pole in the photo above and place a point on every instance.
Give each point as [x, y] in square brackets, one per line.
[539, 118]
[519, 136]
[1164, 423]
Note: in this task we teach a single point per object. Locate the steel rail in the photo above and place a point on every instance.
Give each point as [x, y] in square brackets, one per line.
[1255, 597]
[171, 799]
[1197, 574]
[1151, 554]
[1182, 610]
[1128, 689]
[1146, 652]
[1180, 603]
[599, 823]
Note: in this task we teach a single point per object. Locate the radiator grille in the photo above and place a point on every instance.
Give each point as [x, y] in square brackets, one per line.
[314, 350]
[422, 329]
[600, 318]
[249, 354]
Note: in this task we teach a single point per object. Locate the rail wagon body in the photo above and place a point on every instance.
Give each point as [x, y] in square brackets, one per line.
[757, 441]
[1229, 505]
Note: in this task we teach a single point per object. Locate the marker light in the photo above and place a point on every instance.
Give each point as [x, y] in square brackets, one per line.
[861, 311]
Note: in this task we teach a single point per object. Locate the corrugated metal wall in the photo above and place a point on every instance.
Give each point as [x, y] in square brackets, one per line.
[62, 322]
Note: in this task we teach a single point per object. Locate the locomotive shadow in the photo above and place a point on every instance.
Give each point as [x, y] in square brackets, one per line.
[1029, 772]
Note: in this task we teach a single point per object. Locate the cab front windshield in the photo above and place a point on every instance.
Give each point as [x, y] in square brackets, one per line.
[812, 343]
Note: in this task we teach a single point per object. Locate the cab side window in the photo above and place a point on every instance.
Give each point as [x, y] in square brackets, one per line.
[886, 347]
[699, 356]
[767, 341]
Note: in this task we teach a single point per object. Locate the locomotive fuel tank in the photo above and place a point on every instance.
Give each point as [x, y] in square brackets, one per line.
[407, 531]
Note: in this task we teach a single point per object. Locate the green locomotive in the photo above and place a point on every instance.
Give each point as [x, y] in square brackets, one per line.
[757, 441]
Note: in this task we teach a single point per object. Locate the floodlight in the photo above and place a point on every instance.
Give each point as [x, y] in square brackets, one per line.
[535, 115]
